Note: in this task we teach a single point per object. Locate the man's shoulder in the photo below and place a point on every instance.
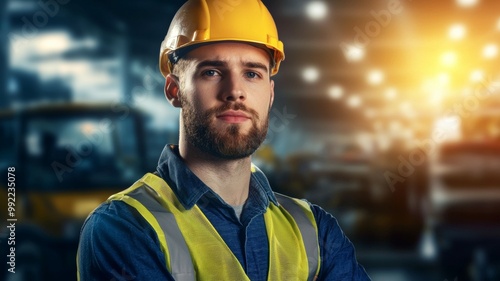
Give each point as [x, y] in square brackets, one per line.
[111, 237]
[108, 208]
[114, 216]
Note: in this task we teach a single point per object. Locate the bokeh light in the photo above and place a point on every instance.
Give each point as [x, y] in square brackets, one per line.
[449, 58]
[354, 52]
[354, 101]
[467, 3]
[310, 74]
[477, 75]
[457, 31]
[375, 77]
[335, 92]
[317, 10]
[490, 51]
[391, 93]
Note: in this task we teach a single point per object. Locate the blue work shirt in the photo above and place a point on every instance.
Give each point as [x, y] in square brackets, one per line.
[116, 242]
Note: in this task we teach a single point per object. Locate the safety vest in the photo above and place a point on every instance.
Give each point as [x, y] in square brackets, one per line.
[194, 250]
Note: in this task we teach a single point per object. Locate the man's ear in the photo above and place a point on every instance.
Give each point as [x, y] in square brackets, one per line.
[272, 95]
[172, 90]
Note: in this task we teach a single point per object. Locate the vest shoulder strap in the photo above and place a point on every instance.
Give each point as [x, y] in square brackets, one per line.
[182, 268]
[144, 199]
[303, 216]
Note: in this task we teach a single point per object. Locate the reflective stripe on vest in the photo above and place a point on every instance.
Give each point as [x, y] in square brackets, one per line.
[307, 229]
[195, 251]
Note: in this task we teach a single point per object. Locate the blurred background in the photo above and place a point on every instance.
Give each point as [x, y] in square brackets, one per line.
[387, 114]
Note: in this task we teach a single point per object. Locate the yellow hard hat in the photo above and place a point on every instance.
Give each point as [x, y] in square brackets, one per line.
[205, 21]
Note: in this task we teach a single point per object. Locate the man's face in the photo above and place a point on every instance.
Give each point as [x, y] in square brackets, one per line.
[225, 97]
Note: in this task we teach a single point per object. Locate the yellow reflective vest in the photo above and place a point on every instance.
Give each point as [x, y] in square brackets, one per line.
[194, 250]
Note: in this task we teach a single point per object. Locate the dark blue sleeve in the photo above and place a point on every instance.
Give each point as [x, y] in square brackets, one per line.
[338, 257]
[116, 243]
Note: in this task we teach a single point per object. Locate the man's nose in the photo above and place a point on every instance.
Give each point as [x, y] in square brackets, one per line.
[234, 89]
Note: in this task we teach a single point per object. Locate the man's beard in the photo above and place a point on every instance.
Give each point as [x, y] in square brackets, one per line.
[229, 143]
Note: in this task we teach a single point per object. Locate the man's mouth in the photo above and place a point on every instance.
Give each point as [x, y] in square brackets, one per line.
[233, 116]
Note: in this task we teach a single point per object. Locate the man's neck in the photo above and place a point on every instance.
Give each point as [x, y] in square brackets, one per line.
[230, 179]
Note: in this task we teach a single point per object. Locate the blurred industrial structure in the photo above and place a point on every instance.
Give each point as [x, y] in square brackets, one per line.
[387, 114]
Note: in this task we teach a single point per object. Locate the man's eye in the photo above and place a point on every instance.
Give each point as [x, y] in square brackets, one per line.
[252, 74]
[210, 73]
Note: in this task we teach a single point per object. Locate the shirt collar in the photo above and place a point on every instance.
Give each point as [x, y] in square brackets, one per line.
[189, 188]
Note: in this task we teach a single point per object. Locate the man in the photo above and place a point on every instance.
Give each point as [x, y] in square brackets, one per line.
[207, 213]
